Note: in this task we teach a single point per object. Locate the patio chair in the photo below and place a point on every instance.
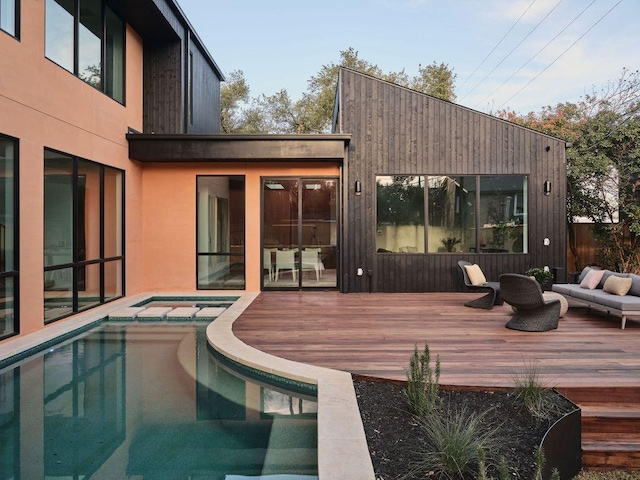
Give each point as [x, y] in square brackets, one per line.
[532, 312]
[285, 260]
[492, 288]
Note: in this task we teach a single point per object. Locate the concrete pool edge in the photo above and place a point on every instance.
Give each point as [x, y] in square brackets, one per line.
[342, 445]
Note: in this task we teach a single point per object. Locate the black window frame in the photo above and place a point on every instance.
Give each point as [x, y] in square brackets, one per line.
[103, 49]
[16, 25]
[15, 273]
[222, 254]
[478, 194]
[75, 265]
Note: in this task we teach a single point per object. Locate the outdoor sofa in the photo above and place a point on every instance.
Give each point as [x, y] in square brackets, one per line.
[619, 296]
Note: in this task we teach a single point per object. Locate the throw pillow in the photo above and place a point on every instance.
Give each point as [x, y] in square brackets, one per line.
[592, 279]
[617, 285]
[476, 277]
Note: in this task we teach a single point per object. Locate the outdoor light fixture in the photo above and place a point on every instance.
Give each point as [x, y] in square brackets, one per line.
[547, 187]
[358, 188]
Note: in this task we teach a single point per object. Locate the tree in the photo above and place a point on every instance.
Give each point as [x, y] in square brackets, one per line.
[603, 166]
[238, 113]
[313, 112]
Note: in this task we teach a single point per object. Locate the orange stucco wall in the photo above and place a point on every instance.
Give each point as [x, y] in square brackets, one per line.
[45, 106]
[169, 218]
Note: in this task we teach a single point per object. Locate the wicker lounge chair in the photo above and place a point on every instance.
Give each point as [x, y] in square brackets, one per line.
[492, 288]
[532, 312]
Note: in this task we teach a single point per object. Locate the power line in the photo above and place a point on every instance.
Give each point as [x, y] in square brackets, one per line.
[497, 44]
[514, 48]
[561, 55]
[537, 53]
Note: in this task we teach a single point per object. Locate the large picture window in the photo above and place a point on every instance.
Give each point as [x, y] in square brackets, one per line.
[83, 234]
[87, 38]
[9, 16]
[485, 214]
[8, 238]
[220, 232]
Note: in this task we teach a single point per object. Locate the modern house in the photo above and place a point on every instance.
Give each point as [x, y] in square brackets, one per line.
[117, 180]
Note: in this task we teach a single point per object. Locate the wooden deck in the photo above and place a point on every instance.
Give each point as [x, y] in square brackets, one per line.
[374, 335]
[589, 357]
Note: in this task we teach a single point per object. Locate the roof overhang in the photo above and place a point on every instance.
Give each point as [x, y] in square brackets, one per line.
[237, 147]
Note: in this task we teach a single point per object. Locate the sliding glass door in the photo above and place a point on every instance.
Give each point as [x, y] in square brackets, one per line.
[300, 233]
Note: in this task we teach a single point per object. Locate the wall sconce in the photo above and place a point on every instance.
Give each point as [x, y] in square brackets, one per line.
[358, 188]
[547, 187]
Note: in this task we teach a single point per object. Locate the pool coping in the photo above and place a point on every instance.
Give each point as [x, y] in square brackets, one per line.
[342, 446]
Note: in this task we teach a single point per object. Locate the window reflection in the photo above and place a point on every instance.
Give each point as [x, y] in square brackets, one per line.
[503, 214]
[452, 214]
[8, 16]
[59, 32]
[8, 267]
[220, 232]
[400, 208]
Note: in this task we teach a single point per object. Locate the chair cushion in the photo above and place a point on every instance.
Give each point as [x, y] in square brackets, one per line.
[584, 272]
[476, 277]
[592, 279]
[607, 274]
[617, 285]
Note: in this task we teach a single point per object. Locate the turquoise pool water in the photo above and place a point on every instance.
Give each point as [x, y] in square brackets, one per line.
[150, 401]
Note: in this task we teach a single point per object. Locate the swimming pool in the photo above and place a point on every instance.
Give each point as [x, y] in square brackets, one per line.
[149, 400]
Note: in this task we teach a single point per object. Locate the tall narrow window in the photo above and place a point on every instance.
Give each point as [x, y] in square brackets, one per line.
[9, 16]
[83, 255]
[114, 56]
[400, 215]
[89, 44]
[220, 232]
[59, 39]
[8, 238]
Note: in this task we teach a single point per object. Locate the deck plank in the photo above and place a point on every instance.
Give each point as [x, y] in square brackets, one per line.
[374, 335]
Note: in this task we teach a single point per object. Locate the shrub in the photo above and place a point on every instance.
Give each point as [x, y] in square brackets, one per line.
[540, 274]
[539, 399]
[457, 445]
[422, 382]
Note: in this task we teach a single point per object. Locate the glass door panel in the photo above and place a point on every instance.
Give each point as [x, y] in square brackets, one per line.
[300, 233]
[280, 233]
[319, 233]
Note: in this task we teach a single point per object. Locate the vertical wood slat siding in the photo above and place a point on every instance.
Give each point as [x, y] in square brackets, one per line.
[206, 96]
[398, 131]
[162, 84]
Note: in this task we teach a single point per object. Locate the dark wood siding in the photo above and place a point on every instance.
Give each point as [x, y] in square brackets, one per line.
[206, 95]
[399, 131]
[166, 71]
[162, 88]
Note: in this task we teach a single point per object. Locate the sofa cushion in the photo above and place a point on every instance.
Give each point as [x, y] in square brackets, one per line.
[565, 288]
[635, 285]
[592, 279]
[625, 303]
[476, 277]
[607, 274]
[583, 273]
[617, 285]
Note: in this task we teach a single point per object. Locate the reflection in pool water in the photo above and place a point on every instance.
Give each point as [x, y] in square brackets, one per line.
[148, 401]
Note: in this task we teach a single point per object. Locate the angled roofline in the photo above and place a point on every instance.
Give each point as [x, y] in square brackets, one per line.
[198, 40]
[493, 117]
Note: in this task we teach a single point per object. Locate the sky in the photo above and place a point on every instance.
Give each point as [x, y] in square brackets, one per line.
[520, 55]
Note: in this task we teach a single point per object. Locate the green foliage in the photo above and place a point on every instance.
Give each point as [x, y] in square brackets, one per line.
[541, 275]
[538, 398]
[279, 113]
[422, 387]
[603, 166]
[401, 202]
[540, 461]
[555, 474]
[450, 243]
[457, 443]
